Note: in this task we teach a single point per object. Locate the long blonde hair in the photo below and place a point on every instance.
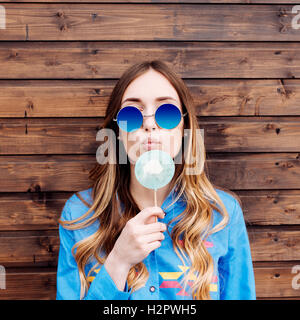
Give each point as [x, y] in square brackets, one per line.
[110, 181]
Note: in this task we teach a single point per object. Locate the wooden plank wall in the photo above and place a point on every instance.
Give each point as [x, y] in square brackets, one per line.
[58, 65]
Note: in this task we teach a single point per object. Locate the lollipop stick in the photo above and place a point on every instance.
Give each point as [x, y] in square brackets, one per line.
[155, 202]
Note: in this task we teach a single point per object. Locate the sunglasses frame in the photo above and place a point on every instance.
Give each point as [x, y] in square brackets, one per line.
[151, 115]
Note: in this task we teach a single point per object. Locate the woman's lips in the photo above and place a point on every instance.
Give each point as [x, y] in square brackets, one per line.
[148, 145]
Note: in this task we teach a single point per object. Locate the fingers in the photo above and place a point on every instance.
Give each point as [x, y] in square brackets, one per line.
[157, 236]
[151, 219]
[146, 213]
[153, 245]
[153, 227]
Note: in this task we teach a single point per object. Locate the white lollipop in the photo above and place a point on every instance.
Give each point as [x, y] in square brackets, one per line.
[154, 169]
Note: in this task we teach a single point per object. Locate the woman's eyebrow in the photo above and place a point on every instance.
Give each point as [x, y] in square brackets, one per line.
[157, 99]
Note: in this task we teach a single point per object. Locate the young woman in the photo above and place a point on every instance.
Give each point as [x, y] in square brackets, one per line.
[115, 244]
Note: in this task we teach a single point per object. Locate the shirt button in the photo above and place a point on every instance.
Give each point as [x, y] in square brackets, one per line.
[152, 289]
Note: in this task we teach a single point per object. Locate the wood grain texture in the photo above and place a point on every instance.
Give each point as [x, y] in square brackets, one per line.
[89, 98]
[233, 171]
[31, 211]
[41, 210]
[221, 134]
[188, 22]
[29, 248]
[30, 285]
[107, 60]
[255, 171]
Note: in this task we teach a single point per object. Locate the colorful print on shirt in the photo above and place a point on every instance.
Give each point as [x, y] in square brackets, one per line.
[172, 279]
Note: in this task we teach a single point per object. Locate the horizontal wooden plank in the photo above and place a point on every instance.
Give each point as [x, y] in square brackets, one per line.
[69, 172]
[72, 172]
[275, 282]
[231, 97]
[40, 211]
[107, 60]
[150, 22]
[274, 244]
[89, 98]
[29, 249]
[56, 98]
[255, 171]
[40, 248]
[31, 211]
[267, 207]
[49, 136]
[249, 135]
[32, 285]
[57, 136]
[271, 282]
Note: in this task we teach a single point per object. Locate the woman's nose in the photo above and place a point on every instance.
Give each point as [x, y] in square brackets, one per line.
[149, 123]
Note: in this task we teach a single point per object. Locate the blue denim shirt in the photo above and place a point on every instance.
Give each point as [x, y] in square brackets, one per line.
[233, 269]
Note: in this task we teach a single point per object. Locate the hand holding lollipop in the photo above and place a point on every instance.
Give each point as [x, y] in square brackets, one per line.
[154, 169]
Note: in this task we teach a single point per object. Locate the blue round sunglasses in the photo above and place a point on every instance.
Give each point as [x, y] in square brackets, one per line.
[167, 116]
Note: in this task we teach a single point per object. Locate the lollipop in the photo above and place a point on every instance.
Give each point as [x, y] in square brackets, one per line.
[154, 169]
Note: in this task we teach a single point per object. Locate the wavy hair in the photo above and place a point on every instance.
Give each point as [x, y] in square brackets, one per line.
[110, 182]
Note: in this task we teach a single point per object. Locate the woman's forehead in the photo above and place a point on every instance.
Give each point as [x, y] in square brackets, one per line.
[149, 87]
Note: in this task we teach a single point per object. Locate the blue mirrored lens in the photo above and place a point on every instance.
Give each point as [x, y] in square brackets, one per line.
[168, 116]
[130, 119]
